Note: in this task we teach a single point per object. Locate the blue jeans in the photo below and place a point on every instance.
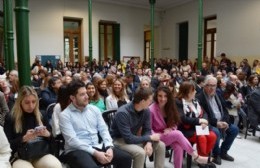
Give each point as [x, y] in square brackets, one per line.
[228, 139]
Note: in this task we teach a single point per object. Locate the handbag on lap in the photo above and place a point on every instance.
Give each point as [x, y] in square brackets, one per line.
[34, 149]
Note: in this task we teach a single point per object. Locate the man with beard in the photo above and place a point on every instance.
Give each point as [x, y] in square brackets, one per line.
[81, 125]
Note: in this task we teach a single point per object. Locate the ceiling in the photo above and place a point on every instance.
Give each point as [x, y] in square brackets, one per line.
[159, 4]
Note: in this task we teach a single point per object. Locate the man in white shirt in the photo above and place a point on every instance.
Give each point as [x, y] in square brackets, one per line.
[81, 124]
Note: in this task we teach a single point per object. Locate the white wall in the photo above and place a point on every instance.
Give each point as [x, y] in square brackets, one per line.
[46, 26]
[238, 27]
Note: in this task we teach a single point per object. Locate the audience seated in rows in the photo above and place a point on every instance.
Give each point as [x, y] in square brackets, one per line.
[170, 73]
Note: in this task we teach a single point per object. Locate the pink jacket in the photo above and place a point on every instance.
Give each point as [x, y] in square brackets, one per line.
[158, 124]
[157, 121]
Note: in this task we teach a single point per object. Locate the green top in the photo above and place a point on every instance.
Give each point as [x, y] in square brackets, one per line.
[99, 104]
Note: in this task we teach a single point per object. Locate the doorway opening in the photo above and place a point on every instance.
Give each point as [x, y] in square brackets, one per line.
[183, 40]
[72, 41]
[109, 41]
[147, 45]
[210, 37]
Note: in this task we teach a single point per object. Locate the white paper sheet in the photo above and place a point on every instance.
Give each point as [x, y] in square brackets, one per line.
[200, 131]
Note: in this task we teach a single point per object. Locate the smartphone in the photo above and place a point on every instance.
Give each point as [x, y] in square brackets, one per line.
[38, 128]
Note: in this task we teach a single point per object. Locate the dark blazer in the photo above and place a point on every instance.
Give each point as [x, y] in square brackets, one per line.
[254, 107]
[211, 116]
[198, 89]
[137, 79]
[130, 89]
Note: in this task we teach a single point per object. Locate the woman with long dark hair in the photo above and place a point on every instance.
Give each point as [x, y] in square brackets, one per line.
[102, 88]
[62, 102]
[164, 120]
[94, 98]
[234, 103]
[49, 94]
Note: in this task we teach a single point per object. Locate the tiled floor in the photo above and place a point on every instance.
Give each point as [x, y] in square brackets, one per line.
[245, 151]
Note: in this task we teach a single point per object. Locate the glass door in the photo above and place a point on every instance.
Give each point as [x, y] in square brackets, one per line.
[72, 42]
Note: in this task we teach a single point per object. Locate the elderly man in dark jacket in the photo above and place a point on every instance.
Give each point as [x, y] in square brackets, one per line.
[218, 117]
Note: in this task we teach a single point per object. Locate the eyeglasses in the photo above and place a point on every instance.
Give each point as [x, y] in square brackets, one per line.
[211, 86]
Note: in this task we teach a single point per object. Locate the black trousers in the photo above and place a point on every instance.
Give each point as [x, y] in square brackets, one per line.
[82, 159]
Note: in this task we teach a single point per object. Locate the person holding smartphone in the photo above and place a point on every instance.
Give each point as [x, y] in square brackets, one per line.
[25, 123]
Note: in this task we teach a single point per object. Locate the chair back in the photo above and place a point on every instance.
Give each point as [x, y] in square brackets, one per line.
[108, 116]
[40, 103]
[49, 112]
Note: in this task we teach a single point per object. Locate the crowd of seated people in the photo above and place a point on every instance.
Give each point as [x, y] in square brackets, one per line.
[220, 84]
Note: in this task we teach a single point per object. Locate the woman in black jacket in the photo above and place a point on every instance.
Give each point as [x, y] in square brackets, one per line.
[20, 128]
[192, 115]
